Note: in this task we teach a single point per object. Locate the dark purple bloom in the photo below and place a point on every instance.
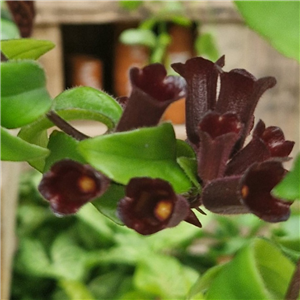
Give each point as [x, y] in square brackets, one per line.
[152, 92]
[69, 185]
[249, 193]
[151, 205]
[218, 134]
[234, 179]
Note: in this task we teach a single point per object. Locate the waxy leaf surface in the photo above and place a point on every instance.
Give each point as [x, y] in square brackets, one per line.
[88, 103]
[15, 149]
[24, 97]
[145, 152]
[289, 187]
[258, 271]
[25, 48]
[282, 26]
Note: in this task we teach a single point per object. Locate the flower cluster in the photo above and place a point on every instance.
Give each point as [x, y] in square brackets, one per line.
[235, 177]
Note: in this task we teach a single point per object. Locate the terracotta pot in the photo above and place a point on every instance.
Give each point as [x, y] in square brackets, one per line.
[180, 50]
[85, 70]
[126, 57]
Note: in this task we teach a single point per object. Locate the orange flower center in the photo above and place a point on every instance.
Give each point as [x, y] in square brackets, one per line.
[163, 210]
[86, 184]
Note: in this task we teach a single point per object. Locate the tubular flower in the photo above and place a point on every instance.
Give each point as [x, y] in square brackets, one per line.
[151, 205]
[249, 193]
[69, 185]
[152, 92]
[235, 179]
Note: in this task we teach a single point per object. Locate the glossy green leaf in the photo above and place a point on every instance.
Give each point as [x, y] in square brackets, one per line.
[183, 149]
[289, 187]
[88, 103]
[36, 134]
[258, 271]
[9, 30]
[138, 36]
[25, 48]
[107, 204]
[204, 282]
[276, 21]
[190, 166]
[15, 149]
[24, 97]
[62, 146]
[149, 152]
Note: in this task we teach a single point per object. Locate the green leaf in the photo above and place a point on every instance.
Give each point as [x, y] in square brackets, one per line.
[276, 21]
[76, 290]
[91, 216]
[289, 187]
[107, 204]
[68, 260]
[204, 282]
[138, 36]
[164, 276]
[9, 30]
[24, 97]
[130, 5]
[15, 149]
[79, 103]
[32, 259]
[149, 152]
[184, 149]
[61, 146]
[36, 133]
[189, 165]
[88, 103]
[206, 46]
[259, 271]
[25, 48]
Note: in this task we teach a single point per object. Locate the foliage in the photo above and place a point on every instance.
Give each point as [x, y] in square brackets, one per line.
[114, 262]
[57, 259]
[277, 21]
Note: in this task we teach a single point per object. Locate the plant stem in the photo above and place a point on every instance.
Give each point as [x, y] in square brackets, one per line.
[294, 287]
[65, 126]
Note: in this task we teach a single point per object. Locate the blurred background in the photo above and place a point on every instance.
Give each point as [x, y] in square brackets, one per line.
[96, 44]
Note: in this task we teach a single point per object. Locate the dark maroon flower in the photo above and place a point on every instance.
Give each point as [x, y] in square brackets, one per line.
[151, 205]
[274, 140]
[266, 143]
[218, 135]
[234, 179]
[249, 193]
[239, 94]
[201, 76]
[152, 92]
[69, 185]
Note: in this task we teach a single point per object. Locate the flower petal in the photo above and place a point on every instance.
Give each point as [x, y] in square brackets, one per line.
[201, 76]
[256, 186]
[218, 134]
[151, 205]
[222, 196]
[69, 185]
[274, 139]
[239, 93]
[152, 92]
